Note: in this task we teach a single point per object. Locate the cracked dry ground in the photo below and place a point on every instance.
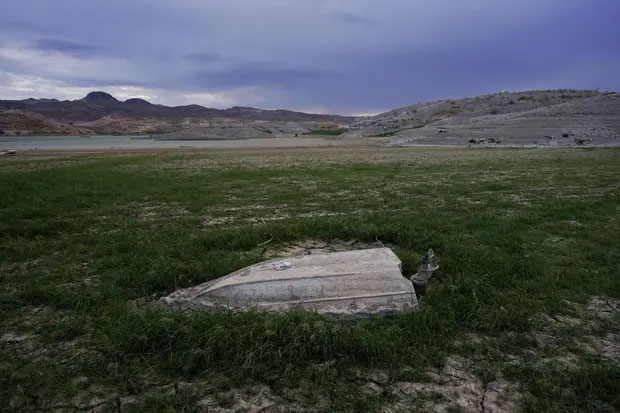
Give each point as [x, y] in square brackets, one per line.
[472, 381]
[480, 383]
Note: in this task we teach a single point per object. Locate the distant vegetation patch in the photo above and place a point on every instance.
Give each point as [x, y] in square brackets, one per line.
[383, 135]
[527, 97]
[154, 131]
[328, 132]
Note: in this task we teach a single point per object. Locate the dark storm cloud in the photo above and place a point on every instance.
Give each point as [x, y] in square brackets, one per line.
[340, 55]
[202, 57]
[252, 74]
[68, 47]
[353, 18]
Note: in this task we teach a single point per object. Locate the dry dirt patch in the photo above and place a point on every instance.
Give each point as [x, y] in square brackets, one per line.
[593, 329]
[160, 212]
[470, 385]
[456, 388]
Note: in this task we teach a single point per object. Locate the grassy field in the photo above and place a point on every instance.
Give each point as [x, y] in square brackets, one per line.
[524, 312]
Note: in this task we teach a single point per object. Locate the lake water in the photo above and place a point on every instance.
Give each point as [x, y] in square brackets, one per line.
[22, 143]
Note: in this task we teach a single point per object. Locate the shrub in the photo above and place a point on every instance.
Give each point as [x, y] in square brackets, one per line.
[328, 132]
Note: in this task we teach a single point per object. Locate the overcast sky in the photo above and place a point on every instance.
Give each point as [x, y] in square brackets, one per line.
[350, 57]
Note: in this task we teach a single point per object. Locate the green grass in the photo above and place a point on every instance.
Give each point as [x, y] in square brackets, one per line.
[383, 135]
[153, 132]
[87, 243]
[327, 132]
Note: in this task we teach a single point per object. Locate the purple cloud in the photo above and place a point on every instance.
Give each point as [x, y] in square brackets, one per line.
[68, 47]
[341, 56]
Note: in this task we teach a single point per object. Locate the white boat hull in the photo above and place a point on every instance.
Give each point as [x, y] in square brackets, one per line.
[342, 283]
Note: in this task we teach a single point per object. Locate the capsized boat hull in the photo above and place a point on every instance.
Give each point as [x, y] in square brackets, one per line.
[347, 283]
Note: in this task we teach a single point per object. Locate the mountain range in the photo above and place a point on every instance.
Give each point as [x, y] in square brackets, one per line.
[43, 116]
[540, 117]
[99, 104]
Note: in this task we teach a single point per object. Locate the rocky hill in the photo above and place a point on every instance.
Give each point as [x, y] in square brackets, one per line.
[542, 118]
[19, 122]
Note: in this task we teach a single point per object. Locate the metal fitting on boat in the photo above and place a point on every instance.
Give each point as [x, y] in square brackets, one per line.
[428, 264]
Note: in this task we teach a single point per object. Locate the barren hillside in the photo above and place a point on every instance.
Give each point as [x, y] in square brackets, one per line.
[18, 122]
[242, 129]
[557, 117]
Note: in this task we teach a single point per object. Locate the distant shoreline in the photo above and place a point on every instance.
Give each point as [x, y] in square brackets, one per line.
[73, 144]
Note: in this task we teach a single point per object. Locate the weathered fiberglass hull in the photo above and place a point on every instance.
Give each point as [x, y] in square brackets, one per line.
[342, 283]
